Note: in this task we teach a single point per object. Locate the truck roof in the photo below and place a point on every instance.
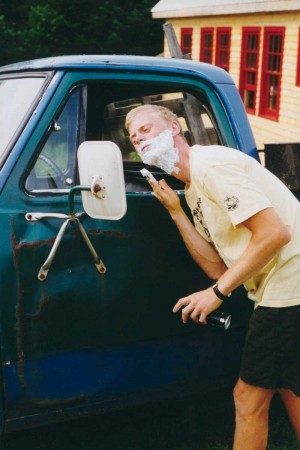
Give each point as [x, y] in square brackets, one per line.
[72, 62]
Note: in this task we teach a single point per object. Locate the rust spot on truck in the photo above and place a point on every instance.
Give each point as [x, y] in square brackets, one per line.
[17, 246]
[19, 308]
[103, 233]
[35, 244]
[42, 298]
[42, 304]
[109, 233]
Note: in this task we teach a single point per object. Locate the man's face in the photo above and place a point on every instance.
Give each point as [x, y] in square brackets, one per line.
[152, 138]
[146, 126]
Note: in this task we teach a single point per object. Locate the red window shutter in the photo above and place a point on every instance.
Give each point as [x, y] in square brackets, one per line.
[249, 67]
[223, 48]
[271, 72]
[206, 45]
[186, 40]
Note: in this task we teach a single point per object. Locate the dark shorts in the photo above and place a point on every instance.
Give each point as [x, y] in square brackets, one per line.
[271, 357]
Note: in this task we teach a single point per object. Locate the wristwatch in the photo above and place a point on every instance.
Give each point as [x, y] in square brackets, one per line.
[219, 294]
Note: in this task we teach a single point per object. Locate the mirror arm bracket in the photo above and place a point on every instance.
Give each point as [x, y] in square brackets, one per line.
[72, 217]
[71, 195]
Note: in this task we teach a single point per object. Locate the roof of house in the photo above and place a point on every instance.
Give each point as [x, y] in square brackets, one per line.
[189, 8]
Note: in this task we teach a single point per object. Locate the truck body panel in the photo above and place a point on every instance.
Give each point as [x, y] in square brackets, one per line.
[79, 341]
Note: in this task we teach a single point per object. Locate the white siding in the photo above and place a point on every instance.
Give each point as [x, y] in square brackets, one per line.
[287, 129]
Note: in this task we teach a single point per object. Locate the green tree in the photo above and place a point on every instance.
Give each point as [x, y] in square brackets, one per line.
[35, 28]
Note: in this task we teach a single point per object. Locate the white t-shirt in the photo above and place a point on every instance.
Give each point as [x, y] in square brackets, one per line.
[227, 187]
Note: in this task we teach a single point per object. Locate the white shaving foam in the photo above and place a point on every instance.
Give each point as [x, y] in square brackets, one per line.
[160, 152]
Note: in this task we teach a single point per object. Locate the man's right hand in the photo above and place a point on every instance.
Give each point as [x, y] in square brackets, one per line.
[168, 198]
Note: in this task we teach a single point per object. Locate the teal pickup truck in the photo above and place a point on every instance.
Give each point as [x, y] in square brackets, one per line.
[91, 264]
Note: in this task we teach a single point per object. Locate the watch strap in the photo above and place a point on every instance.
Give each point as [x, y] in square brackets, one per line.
[219, 294]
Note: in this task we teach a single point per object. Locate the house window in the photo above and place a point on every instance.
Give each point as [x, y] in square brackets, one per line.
[271, 72]
[186, 40]
[206, 47]
[249, 67]
[223, 48]
[298, 63]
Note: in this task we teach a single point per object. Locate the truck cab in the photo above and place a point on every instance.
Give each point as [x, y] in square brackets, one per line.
[75, 338]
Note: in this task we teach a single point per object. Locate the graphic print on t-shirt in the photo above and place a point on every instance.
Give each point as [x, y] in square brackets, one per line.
[198, 215]
[231, 202]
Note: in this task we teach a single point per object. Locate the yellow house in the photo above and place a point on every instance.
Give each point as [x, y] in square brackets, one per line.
[258, 43]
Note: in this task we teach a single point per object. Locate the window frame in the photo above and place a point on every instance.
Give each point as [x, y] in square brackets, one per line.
[203, 48]
[298, 61]
[244, 70]
[183, 33]
[223, 31]
[266, 74]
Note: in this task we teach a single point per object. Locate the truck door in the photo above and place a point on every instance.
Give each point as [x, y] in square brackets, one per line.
[74, 335]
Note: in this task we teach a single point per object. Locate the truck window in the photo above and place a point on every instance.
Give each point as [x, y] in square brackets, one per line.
[55, 168]
[195, 121]
[17, 95]
[96, 111]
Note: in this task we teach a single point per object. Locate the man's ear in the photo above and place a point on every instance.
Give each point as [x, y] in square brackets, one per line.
[175, 128]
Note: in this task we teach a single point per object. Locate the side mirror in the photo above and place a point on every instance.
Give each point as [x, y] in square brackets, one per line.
[101, 168]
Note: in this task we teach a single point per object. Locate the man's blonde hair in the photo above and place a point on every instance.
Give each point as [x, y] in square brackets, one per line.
[161, 111]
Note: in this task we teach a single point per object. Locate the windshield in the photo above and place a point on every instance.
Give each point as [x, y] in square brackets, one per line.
[16, 97]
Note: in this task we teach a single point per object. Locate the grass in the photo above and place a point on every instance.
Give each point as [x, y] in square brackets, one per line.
[170, 425]
[218, 434]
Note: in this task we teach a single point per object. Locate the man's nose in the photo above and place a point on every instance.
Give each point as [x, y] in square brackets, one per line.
[138, 138]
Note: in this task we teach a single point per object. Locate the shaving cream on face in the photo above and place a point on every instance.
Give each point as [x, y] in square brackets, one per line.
[160, 152]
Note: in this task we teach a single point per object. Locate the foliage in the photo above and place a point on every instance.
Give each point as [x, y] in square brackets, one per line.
[35, 28]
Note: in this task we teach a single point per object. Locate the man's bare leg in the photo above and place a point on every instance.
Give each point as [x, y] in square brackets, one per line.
[292, 405]
[252, 413]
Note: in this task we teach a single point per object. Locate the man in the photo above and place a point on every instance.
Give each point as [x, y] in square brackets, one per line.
[247, 231]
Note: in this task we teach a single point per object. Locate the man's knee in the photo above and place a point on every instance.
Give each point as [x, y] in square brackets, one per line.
[251, 400]
[241, 398]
